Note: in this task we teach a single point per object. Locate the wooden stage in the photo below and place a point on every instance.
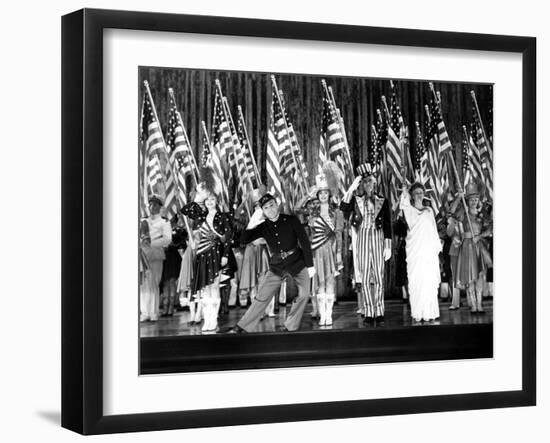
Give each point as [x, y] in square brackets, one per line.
[172, 345]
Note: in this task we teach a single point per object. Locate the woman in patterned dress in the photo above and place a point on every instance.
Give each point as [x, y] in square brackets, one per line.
[473, 254]
[213, 248]
[326, 225]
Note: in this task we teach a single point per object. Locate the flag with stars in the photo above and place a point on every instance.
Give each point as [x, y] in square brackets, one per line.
[420, 161]
[273, 160]
[160, 175]
[240, 177]
[220, 148]
[475, 165]
[325, 117]
[381, 157]
[394, 145]
[180, 151]
[247, 152]
[436, 192]
[485, 152]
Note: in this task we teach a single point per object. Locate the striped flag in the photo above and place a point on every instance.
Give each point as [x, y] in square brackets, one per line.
[475, 165]
[382, 163]
[247, 152]
[466, 164]
[273, 162]
[322, 142]
[486, 154]
[420, 158]
[433, 158]
[220, 150]
[180, 151]
[160, 176]
[239, 171]
[335, 142]
[393, 145]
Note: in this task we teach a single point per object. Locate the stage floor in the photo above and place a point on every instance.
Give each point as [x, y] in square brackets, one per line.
[344, 318]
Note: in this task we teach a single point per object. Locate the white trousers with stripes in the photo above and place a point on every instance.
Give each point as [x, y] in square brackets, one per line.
[370, 264]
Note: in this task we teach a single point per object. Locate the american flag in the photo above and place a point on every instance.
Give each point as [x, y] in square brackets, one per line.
[394, 145]
[247, 152]
[382, 163]
[221, 147]
[322, 142]
[273, 162]
[433, 157]
[335, 143]
[180, 151]
[160, 176]
[240, 175]
[486, 154]
[394, 151]
[466, 164]
[476, 167]
[420, 158]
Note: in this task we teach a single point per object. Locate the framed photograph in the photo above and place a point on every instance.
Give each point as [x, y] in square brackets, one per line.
[312, 220]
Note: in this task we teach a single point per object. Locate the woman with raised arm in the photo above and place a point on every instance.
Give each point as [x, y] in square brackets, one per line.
[213, 248]
[422, 247]
[326, 225]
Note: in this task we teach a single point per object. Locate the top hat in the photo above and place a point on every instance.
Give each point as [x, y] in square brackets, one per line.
[364, 170]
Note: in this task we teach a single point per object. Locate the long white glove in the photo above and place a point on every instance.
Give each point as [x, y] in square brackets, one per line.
[351, 189]
[387, 254]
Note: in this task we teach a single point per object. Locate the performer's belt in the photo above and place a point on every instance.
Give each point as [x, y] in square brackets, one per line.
[285, 254]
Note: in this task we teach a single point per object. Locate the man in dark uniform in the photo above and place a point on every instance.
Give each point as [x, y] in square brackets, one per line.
[290, 257]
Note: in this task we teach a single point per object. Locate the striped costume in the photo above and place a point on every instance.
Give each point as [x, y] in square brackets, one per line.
[372, 224]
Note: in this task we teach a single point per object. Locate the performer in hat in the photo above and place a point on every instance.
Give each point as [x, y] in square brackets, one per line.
[213, 249]
[326, 225]
[290, 258]
[422, 248]
[156, 234]
[473, 255]
[371, 220]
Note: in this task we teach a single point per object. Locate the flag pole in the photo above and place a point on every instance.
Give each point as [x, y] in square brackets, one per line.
[249, 146]
[274, 86]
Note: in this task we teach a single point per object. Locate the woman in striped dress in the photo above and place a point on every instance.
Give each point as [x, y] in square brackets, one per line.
[213, 249]
[326, 225]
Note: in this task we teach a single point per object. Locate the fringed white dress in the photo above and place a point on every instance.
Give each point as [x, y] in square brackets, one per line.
[422, 247]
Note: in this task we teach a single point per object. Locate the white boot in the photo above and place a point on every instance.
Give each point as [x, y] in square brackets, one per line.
[455, 301]
[329, 303]
[270, 309]
[192, 308]
[471, 291]
[206, 310]
[321, 306]
[479, 299]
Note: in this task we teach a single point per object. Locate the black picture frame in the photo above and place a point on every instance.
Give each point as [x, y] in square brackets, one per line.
[82, 219]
